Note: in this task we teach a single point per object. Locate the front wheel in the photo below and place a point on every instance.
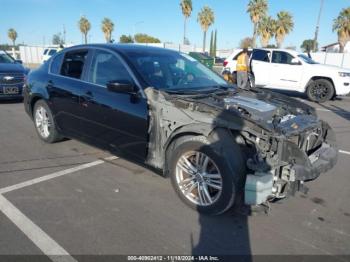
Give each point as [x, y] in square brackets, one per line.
[44, 123]
[203, 179]
[320, 90]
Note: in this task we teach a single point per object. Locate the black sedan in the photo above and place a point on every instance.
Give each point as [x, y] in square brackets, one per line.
[219, 144]
[12, 74]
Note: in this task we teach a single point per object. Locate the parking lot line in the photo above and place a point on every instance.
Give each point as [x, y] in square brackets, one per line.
[54, 175]
[344, 152]
[43, 241]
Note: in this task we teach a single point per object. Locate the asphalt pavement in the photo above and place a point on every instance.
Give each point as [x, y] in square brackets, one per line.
[72, 199]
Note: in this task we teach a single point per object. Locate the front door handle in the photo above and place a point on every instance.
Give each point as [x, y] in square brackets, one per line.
[86, 98]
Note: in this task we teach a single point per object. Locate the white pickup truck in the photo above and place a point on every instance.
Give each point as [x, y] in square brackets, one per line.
[289, 70]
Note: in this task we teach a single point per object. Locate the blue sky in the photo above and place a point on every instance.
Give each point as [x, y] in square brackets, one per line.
[36, 20]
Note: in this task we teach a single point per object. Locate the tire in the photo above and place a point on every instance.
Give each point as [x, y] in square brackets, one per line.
[320, 91]
[44, 123]
[224, 158]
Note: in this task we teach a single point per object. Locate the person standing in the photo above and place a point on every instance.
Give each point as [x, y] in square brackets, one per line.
[242, 69]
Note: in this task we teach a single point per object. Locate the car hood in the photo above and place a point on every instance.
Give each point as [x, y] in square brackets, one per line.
[271, 111]
[11, 68]
[330, 67]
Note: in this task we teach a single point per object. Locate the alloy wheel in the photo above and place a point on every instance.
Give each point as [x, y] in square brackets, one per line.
[198, 178]
[42, 122]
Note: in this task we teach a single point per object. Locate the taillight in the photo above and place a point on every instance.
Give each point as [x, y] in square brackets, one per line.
[225, 63]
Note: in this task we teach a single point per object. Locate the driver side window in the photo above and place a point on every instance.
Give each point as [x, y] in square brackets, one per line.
[106, 68]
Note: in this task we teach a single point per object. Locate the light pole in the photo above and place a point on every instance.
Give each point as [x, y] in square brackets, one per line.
[317, 27]
[134, 28]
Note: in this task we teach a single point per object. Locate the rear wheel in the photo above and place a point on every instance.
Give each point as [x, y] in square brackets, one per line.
[44, 123]
[205, 180]
[320, 90]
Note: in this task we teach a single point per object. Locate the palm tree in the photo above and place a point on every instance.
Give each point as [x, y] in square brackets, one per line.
[186, 6]
[342, 26]
[107, 29]
[84, 26]
[283, 26]
[266, 30]
[257, 9]
[12, 34]
[205, 18]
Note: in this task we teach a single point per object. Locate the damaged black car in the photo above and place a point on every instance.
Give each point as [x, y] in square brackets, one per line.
[218, 144]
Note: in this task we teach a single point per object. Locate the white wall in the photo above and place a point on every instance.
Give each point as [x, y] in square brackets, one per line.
[337, 59]
[31, 54]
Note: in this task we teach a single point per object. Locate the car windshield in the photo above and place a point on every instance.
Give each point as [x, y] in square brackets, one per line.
[6, 59]
[307, 59]
[175, 72]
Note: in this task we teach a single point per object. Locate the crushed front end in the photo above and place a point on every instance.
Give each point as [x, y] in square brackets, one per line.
[303, 148]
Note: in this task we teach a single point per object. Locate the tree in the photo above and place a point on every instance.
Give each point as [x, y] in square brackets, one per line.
[205, 18]
[12, 34]
[126, 39]
[186, 6]
[144, 38]
[266, 30]
[341, 25]
[246, 42]
[284, 25]
[57, 39]
[107, 27]
[257, 9]
[211, 44]
[308, 45]
[84, 26]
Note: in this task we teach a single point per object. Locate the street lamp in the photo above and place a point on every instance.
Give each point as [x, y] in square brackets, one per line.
[134, 28]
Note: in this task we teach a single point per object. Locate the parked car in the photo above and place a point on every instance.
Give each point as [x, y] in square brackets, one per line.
[166, 110]
[289, 70]
[204, 58]
[12, 74]
[48, 52]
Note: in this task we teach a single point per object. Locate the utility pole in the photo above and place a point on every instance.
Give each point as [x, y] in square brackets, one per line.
[64, 34]
[317, 27]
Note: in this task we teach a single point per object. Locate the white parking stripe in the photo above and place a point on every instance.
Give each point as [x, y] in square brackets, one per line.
[344, 152]
[54, 175]
[43, 241]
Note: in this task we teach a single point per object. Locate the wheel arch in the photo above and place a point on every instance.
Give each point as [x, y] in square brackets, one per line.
[314, 78]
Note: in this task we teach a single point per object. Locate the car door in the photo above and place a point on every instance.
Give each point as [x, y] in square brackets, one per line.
[261, 67]
[65, 87]
[118, 121]
[287, 73]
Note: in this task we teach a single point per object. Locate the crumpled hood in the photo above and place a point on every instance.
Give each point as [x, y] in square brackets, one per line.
[272, 111]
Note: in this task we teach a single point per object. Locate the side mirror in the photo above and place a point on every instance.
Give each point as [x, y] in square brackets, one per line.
[295, 61]
[19, 61]
[123, 87]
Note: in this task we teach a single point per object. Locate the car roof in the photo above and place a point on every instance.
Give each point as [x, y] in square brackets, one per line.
[279, 49]
[124, 48]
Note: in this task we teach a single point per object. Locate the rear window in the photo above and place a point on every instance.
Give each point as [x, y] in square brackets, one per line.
[56, 64]
[73, 64]
[45, 51]
[261, 55]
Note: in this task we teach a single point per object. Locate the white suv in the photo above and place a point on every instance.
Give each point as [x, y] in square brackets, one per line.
[48, 52]
[289, 70]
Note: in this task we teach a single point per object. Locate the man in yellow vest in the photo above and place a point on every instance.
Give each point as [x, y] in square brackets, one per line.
[242, 69]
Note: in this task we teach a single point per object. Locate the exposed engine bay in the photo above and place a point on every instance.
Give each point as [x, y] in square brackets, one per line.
[283, 143]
